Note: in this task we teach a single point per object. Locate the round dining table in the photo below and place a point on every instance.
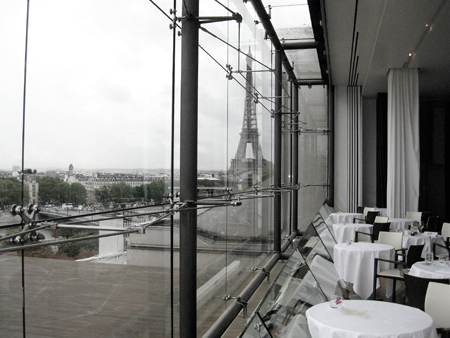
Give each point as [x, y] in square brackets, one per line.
[398, 224]
[342, 217]
[344, 232]
[434, 270]
[424, 238]
[355, 264]
[367, 318]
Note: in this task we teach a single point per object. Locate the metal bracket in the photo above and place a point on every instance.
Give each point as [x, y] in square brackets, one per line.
[229, 195]
[172, 197]
[29, 227]
[218, 203]
[211, 19]
[267, 273]
[229, 72]
[240, 302]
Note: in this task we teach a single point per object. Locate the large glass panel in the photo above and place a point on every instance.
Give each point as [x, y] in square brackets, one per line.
[11, 289]
[291, 20]
[96, 121]
[313, 151]
[308, 278]
[298, 287]
[235, 143]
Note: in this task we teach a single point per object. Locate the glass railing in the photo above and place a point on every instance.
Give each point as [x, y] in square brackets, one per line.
[308, 278]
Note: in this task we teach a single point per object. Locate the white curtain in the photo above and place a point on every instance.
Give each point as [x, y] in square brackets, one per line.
[403, 142]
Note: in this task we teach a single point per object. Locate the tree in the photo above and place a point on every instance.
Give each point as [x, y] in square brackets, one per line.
[155, 191]
[77, 193]
[52, 189]
[138, 192]
[120, 192]
[103, 194]
[49, 189]
[11, 192]
[72, 249]
[64, 192]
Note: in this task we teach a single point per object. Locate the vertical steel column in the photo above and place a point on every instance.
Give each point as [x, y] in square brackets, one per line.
[188, 168]
[295, 161]
[277, 152]
[330, 117]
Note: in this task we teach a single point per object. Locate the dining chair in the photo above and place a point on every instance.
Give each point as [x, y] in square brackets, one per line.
[381, 219]
[414, 254]
[431, 224]
[360, 209]
[437, 305]
[366, 210]
[369, 218]
[377, 227]
[445, 232]
[395, 273]
[416, 289]
[415, 215]
[393, 238]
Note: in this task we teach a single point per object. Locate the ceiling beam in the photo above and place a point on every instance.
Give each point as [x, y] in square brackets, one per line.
[301, 45]
[264, 18]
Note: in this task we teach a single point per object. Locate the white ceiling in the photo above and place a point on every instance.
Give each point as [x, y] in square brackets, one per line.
[387, 32]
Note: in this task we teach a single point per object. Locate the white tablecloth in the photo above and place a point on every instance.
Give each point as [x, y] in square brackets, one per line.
[355, 264]
[342, 217]
[383, 212]
[344, 232]
[365, 318]
[421, 238]
[435, 270]
[400, 223]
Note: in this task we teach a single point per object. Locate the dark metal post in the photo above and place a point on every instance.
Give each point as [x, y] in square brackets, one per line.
[330, 166]
[295, 161]
[277, 152]
[188, 168]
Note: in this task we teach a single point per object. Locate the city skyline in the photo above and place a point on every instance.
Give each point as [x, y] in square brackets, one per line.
[98, 88]
[116, 170]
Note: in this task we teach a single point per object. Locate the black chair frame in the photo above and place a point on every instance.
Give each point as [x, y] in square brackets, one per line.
[416, 289]
[377, 227]
[379, 275]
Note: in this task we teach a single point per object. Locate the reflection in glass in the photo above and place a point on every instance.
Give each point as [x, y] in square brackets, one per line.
[100, 98]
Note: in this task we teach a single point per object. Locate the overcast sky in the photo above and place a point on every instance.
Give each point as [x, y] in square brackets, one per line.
[98, 91]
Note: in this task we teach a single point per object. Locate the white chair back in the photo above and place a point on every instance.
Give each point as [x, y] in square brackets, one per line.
[415, 215]
[445, 231]
[391, 238]
[381, 219]
[437, 303]
[367, 209]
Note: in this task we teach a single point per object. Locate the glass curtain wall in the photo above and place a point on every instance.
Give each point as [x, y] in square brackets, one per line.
[90, 135]
[235, 136]
[292, 22]
[87, 86]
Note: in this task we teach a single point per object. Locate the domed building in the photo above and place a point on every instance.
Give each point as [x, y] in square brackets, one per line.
[70, 175]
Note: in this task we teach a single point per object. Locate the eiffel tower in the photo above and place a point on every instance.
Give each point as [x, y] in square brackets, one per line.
[245, 167]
